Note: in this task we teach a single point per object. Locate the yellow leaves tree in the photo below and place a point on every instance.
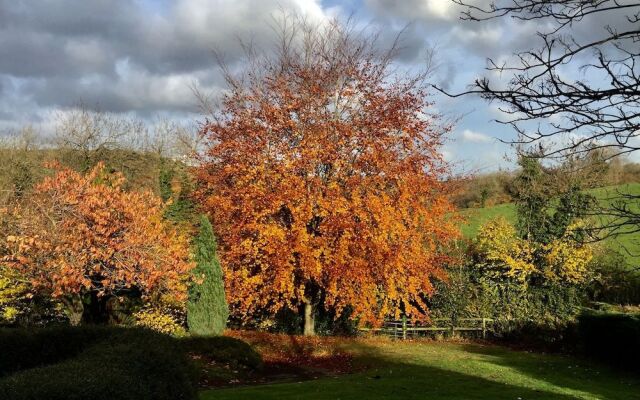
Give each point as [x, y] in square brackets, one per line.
[13, 291]
[504, 255]
[324, 181]
[84, 240]
[567, 261]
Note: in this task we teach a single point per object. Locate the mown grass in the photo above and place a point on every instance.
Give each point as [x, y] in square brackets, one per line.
[435, 370]
[628, 244]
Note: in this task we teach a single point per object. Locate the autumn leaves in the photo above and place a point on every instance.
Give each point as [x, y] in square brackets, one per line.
[322, 177]
[79, 235]
[324, 183]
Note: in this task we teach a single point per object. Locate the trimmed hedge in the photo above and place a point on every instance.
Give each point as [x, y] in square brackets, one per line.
[611, 337]
[223, 349]
[93, 363]
[98, 363]
[21, 348]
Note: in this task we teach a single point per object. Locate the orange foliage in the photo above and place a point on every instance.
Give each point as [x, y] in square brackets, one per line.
[323, 180]
[83, 233]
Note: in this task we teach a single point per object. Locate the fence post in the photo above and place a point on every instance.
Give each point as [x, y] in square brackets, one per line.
[484, 328]
[404, 327]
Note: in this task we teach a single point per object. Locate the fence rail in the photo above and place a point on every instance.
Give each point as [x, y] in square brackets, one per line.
[404, 329]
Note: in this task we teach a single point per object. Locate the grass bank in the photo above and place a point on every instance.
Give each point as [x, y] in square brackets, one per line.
[628, 245]
[436, 370]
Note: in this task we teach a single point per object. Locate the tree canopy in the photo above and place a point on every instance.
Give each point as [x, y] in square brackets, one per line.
[324, 180]
[82, 234]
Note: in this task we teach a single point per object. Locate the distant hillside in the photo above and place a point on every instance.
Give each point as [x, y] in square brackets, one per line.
[490, 189]
[20, 169]
[625, 244]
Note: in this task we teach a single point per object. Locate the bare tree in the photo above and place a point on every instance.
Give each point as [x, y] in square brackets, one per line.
[20, 153]
[95, 135]
[603, 108]
[544, 104]
[90, 134]
[170, 139]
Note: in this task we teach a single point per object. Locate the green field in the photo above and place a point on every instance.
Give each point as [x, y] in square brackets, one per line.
[434, 370]
[629, 244]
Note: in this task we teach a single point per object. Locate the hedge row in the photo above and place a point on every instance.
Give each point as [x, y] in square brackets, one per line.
[107, 363]
[22, 349]
[223, 349]
[611, 337]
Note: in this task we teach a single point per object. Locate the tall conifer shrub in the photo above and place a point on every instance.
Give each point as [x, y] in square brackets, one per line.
[207, 309]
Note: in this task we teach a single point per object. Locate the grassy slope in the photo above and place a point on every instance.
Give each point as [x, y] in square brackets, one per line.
[476, 217]
[629, 245]
[140, 169]
[431, 370]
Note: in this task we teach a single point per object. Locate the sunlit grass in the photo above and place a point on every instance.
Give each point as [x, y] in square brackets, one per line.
[435, 370]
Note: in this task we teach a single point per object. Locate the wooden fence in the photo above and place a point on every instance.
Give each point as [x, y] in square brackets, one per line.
[404, 329]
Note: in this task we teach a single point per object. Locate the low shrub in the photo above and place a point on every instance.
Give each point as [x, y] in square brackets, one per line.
[95, 363]
[611, 337]
[28, 348]
[160, 321]
[615, 279]
[110, 363]
[526, 315]
[223, 349]
[543, 337]
[13, 293]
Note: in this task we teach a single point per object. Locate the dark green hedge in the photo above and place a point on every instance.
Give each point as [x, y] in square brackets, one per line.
[21, 348]
[611, 337]
[109, 363]
[223, 349]
[93, 363]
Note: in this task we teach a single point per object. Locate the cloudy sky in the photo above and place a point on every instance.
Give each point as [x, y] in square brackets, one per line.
[142, 57]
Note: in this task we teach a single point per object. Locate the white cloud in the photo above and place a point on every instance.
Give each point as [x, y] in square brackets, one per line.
[127, 56]
[426, 10]
[475, 137]
[480, 35]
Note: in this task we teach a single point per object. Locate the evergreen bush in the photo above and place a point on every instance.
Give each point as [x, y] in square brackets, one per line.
[207, 309]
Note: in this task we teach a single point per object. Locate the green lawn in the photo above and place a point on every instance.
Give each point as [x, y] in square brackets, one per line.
[436, 370]
[476, 217]
[629, 245]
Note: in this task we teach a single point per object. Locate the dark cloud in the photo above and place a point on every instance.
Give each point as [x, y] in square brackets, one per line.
[143, 56]
[72, 18]
[127, 55]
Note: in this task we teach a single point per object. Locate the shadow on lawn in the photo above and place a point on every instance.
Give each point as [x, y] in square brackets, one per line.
[578, 374]
[391, 381]
[384, 377]
[321, 354]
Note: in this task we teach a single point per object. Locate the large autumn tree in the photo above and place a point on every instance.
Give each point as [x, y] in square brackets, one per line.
[324, 180]
[83, 239]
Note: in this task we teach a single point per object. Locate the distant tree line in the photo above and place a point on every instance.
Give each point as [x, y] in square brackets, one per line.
[594, 169]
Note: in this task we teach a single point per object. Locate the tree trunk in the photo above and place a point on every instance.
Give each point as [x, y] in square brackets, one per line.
[309, 319]
[74, 309]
